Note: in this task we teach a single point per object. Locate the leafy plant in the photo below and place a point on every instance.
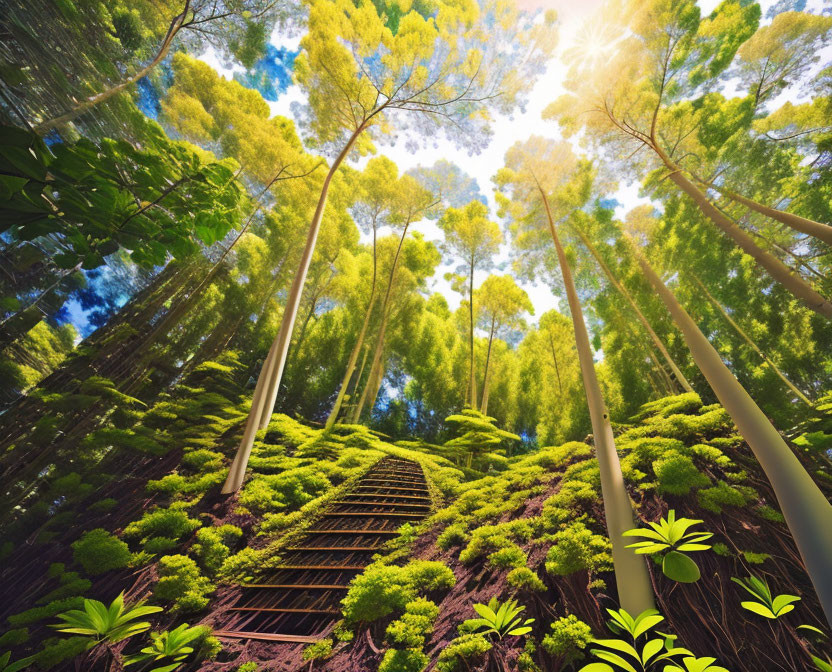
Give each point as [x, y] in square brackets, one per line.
[171, 644]
[7, 666]
[499, 619]
[643, 657]
[764, 604]
[671, 538]
[106, 624]
[822, 665]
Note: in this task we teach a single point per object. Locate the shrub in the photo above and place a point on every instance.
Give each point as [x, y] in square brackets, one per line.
[465, 649]
[103, 505]
[716, 498]
[677, 474]
[568, 639]
[510, 556]
[577, 548]
[248, 667]
[453, 535]
[36, 614]
[318, 650]
[181, 584]
[290, 489]
[525, 579]
[98, 551]
[158, 545]
[414, 626]
[403, 660]
[56, 651]
[211, 547]
[383, 589]
[171, 523]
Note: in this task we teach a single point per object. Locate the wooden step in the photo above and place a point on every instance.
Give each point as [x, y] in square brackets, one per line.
[395, 532]
[421, 506]
[350, 568]
[370, 494]
[334, 548]
[390, 487]
[265, 636]
[286, 610]
[297, 586]
[372, 514]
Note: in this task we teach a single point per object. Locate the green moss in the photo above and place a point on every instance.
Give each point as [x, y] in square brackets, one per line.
[103, 505]
[403, 660]
[524, 578]
[722, 549]
[677, 474]
[769, 513]
[56, 651]
[318, 650]
[414, 626]
[718, 497]
[567, 639]
[98, 551]
[462, 653]
[14, 637]
[170, 523]
[509, 557]
[755, 558]
[577, 548]
[36, 614]
[212, 546]
[248, 667]
[181, 584]
[453, 535]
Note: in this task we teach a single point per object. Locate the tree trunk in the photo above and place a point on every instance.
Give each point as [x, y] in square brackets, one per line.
[385, 316]
[776, 268]
[686, 386]
[751, 343]
[822, 232]
[174, 28]
[472, 382]
[486, 377]
[359, 343]
[555, 360]
[272, 371]
[807, 511]
[635, 592]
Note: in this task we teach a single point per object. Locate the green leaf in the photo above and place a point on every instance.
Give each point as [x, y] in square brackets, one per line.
[757, 608]
[680, 567]
[650, 649]
[596, 667]
[780, 602]
[822, 665]
[614, 658]
[644, 623]
[812, 628]
[618, 645]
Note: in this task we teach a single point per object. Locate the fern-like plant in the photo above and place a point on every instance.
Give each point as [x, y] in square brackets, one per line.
[7, 666]
[670, 538]
[499, 619]
[106, 624]
[171, 645]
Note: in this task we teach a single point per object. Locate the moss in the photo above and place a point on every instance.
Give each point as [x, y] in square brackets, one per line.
[318, 650]
[103, 505]
[56, 651]
[403, 660]
[722, 550]
[769, 513]
[461, 653]
[677, 474]
[718, 497]
[212, 546]
[567, 639]
[170, 523]
[577, 548]
[181, 584]
[98, 551]
[509, 557]
[247, 667]
[14, 637]
[453, 535]
[524, 578]
[384, 589]
[36, 614]
[755, 558]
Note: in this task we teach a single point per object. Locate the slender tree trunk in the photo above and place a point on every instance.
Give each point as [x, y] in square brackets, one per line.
[385, 316]
[776, 268]
[555, 360]
[635, 592]
[174, 28]
[822, 232]
[487, 377]
[263, 405]
[683, 381]
[472, 382]
[359, 343]
[807, 511]
[750, 342]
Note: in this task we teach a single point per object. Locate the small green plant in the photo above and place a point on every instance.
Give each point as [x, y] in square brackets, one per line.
[764, 604]
[101, 623]
[822, 665]
[499, 619]
[7, 666]
[171, 645]
[642, 657]
[670, 538]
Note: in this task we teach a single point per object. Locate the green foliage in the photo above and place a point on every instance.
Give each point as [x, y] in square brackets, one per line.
[288, 490]
[453, 535]
[403, 660]
[36, 614]
[715, 499]
[567, 640]
[101, 623]
[576, 548]
[498, 619]
[181, 584]
[670, 538]
[167, 646]
[524, 578]
[677, 474]
[212, 546]
[248, 667]
[14, 637]
[384, 589]
[413, 627]
[7, 665]
[509, 557]
[167, 523]
[763, 603]
[462, 652]
[56, 651]
[318, 650]
[98, 551]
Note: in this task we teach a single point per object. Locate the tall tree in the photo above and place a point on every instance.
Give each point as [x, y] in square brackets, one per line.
[501, 306]
[536, 175]
[446, 71]
[641, 99]
[472, 238]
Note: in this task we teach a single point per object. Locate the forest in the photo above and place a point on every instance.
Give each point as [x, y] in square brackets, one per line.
[416, 335]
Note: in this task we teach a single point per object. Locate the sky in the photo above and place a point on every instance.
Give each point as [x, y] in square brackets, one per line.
[507, 131]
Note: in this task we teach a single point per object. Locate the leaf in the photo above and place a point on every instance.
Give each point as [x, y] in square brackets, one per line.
[757, 608]
[596, 667]
[520, 631]
[650, 649]
[780, 602]
[822, 665]
[618, 645]
[812, 628]
[679, 567]
[645, 623]
[614, 658]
